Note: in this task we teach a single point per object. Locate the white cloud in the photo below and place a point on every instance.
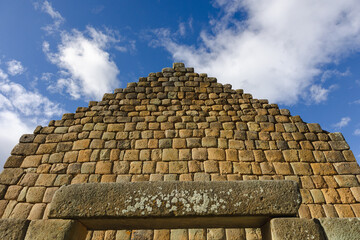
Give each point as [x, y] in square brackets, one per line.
[279, 51]
[343, 122]
[357, 133]
[20, 111]
[86, 68]
[55, 15]
[15, 67]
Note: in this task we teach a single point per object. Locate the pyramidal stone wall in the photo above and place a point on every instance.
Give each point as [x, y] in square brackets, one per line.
[178, 125]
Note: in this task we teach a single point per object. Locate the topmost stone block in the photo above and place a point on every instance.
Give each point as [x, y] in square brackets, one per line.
[178, 65]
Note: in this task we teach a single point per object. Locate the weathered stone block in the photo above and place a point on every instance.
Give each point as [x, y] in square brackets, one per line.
[178, 167]
[56, 230]
[341, 228]
[13, 161]
[246, 155]
[35, 194]
[46, 148]
[292, 228]
[216, 154]
[199, 154]
[170, 154]
[13, 229]
[24, 149]
[11, 175]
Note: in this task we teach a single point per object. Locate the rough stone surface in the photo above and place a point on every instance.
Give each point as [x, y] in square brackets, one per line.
[341, 228]
[13, 229]
[292, 228]
[176, 199]
[56, 230]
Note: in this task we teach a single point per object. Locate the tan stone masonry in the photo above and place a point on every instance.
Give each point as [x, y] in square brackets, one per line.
[178, 125]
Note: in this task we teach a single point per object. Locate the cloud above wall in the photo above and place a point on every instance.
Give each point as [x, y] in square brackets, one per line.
[279, 51]
[86, 69]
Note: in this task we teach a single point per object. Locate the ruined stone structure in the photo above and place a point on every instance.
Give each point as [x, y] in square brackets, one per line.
[178, 125]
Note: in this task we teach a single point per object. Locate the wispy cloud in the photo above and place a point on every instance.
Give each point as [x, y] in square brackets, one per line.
[86, 67]
[318, 93]
[279, 51]
[46, 7]
[342, 123]
[15, 67]
[357, 132]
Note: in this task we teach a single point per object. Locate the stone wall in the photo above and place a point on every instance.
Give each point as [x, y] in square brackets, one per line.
[178, 125]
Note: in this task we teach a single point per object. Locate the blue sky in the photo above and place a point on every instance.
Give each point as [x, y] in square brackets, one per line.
[57, 55]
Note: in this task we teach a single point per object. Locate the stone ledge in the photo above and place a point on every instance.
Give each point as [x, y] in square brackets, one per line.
[189, 204]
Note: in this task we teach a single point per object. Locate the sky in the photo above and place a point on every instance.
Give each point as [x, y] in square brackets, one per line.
[56, 56]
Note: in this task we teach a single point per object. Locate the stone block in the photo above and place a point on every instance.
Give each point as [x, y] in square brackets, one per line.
[199, 154]
[282, 168]
[246, 155]
[21, 211]
[103, 167]
[135, 167]
[179, 143]
[216, 154]
[178, 167]
[37, 211]
[274, 156]
[300, 168]
[242, 168]
[179, 199]
[56, 230]
[131, 155]
[13, 229]
[231, 155]
[341, 228]
[193, 142]
[323, 169]
[13, 192]
[11, 176]
[24, 149]
[35, 194]
[170, 154]
[292, 228]
[347, 168]
[81, 144]
[346, 180]
[344, 210]
[13, 161]
[46, 148]
[209, 142]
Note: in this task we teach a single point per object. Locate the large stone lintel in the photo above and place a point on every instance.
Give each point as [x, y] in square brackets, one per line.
[176, 204]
